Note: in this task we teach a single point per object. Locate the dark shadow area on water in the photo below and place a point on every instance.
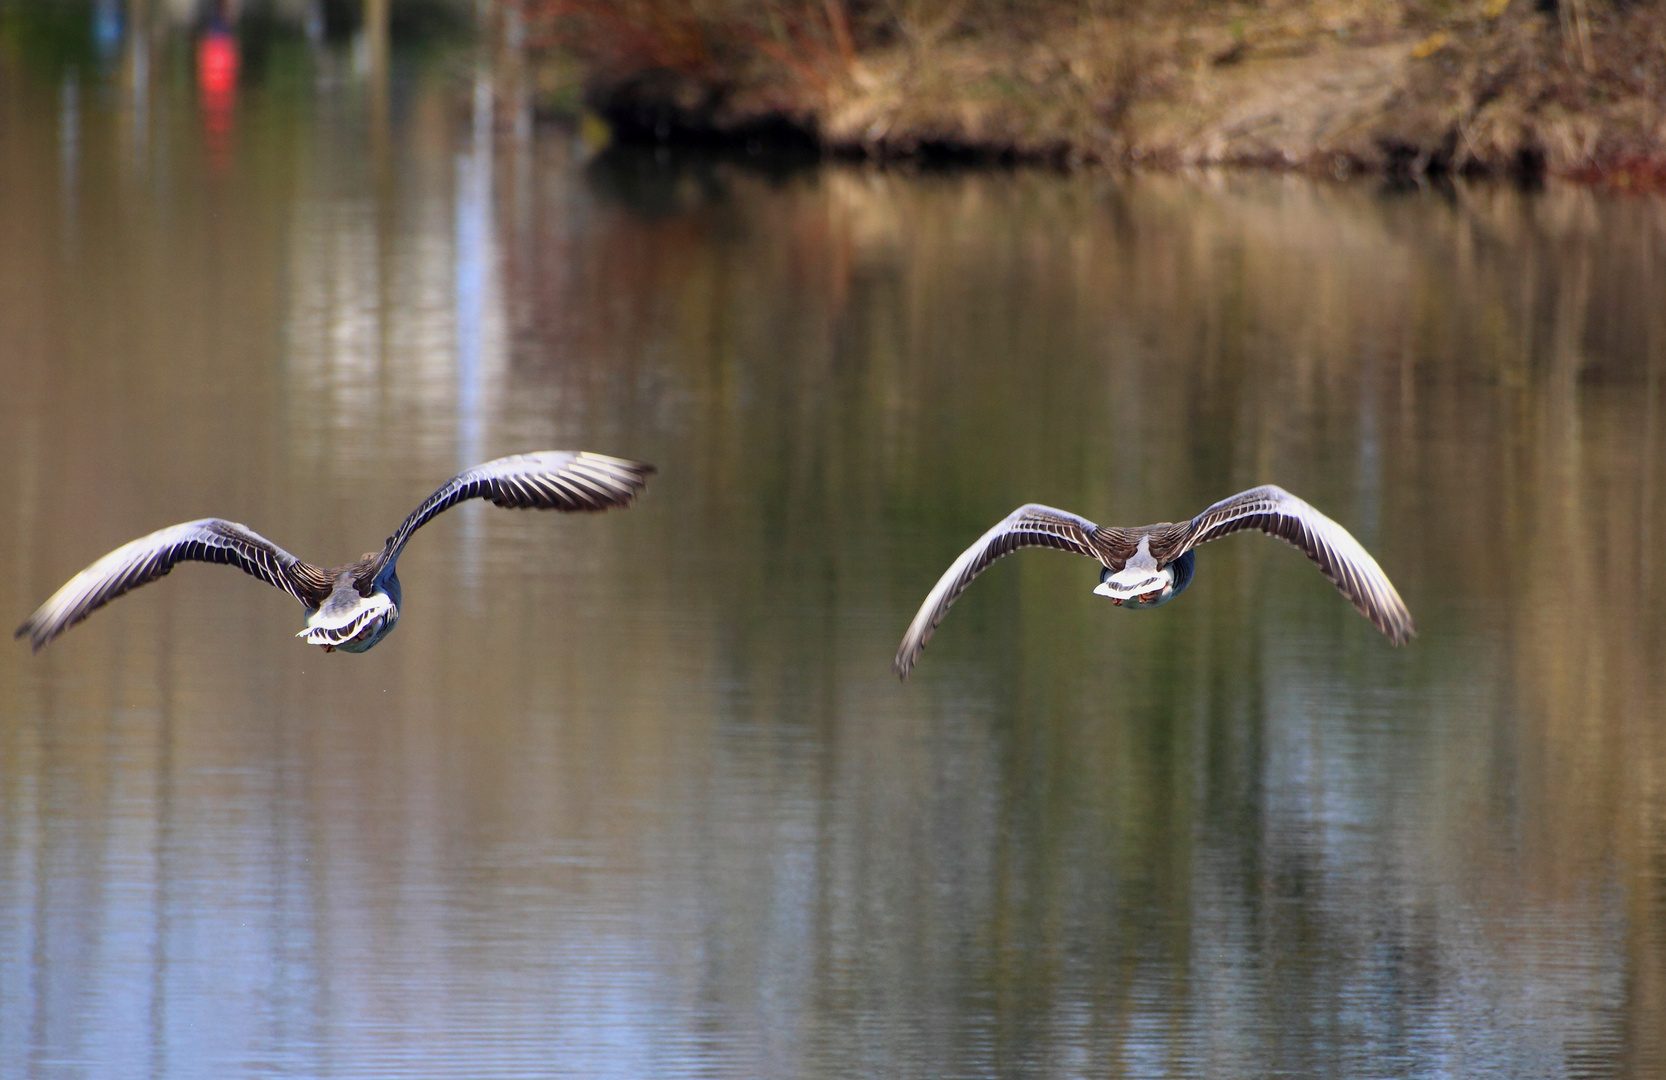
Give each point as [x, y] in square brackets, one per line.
[664, 180]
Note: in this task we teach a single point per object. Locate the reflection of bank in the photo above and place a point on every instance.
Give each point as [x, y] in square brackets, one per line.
[217, 61]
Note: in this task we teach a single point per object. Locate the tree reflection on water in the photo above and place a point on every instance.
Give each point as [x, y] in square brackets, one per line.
[640, 795]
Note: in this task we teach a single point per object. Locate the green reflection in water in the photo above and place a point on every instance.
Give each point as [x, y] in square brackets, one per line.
[639, 795]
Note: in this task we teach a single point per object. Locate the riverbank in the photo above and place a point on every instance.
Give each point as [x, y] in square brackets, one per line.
[1495, 87]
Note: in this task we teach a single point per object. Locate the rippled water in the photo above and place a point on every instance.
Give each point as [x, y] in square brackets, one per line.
[638, 795]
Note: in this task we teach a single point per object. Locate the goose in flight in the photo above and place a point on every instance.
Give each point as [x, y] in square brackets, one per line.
[354, 606]
[1149, 565]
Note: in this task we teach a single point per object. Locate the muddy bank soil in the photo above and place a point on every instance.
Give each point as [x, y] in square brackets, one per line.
[1503, 87]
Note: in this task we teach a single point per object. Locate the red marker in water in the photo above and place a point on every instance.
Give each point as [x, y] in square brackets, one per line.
[217, 83]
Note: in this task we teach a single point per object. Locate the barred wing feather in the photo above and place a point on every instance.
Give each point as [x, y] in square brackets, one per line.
[1032, 525]
[1332, 548]
[142, 561]
[568, 480]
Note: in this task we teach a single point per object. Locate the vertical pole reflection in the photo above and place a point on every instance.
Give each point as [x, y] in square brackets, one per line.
[1369, 477]
[513, 74]
[69, 155]
[1653, 339]
[162, 848]
[474, 290]
[138, 86]
[374, 41]
[376, 38]
[512, 64]
[39, 944]
[474, 268]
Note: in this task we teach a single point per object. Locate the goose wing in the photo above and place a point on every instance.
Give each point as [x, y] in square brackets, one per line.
[1032, 525]
[142, 561]
[1332, 548]
[571, 480]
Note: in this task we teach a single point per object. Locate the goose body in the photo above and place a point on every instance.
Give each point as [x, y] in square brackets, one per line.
[1147, 566]
[351, 607]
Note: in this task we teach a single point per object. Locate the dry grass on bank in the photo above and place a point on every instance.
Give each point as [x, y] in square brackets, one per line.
[1575, 87]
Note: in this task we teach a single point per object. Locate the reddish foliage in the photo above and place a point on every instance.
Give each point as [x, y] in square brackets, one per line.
[715, 42]
[1626, 172]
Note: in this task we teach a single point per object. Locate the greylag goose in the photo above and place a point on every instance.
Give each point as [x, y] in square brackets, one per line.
[354, 606]
[1149, 565]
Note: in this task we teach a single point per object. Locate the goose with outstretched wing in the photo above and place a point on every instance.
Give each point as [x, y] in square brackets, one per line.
[1150, 565]
[354, 606]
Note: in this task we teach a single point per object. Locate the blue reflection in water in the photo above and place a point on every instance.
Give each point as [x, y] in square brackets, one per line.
[475, 291]
[107, 27]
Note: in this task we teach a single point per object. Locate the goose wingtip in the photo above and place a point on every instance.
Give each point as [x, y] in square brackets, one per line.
[1399, 629]
[37, 635]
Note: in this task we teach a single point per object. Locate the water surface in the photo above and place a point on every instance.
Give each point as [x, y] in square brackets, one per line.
[638, 795]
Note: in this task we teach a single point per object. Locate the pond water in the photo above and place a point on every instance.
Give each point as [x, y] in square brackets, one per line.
[639, 794]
